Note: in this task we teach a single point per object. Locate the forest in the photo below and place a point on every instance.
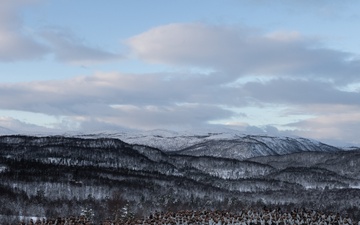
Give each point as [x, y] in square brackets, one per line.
[105, 178]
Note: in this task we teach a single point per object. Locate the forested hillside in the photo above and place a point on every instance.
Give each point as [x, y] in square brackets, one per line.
[62, 176]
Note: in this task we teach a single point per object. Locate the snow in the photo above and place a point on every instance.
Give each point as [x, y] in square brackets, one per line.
[28, 218]
[2, 168]
[209, 142]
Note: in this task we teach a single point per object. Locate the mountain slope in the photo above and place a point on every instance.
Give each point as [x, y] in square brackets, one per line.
[228, 143]
[345, 163]
[253, 146]
[56, 175]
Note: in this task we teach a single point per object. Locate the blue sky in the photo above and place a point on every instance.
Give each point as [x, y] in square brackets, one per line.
[277, 67]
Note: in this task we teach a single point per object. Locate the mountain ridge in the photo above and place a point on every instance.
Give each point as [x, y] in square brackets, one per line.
[228, 144]
[52, 174]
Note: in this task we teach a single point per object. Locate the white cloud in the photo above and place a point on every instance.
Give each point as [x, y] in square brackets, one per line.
[9, 125]
[331, 123]
[243, 51]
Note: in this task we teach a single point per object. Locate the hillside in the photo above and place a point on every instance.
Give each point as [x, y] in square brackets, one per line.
[57, 175]
[224, 143]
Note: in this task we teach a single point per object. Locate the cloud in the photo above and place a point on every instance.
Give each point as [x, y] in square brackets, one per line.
[291, 91]
[72, 95]
[9, 125]
[17, 43]
[112, 101]
[241, 51]
[252, 72]
[121, 99]
[331, 123]
[67, 48]
[172, 116]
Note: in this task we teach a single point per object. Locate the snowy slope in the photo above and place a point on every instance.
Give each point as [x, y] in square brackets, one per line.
[6, 131]
[166, 140]
[63, 174]
[223, 143]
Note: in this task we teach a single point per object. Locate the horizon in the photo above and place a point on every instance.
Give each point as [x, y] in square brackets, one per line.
[280, 68]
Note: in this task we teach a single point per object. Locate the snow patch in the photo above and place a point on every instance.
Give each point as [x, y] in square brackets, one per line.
[3, 168]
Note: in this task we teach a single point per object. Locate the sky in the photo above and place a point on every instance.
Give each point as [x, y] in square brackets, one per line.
[279, 67]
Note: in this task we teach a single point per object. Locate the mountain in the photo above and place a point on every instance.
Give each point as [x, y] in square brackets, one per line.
[61, 175]
[6, 131]
[340, 162]
[226, 144]
[253, 146]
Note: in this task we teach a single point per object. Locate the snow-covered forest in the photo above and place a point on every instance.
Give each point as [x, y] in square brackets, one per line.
[105, 178]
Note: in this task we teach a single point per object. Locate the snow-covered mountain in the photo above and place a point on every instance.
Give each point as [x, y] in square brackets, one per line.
[6, 131]
[55, 175]
[225, 143]
[253, 146]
